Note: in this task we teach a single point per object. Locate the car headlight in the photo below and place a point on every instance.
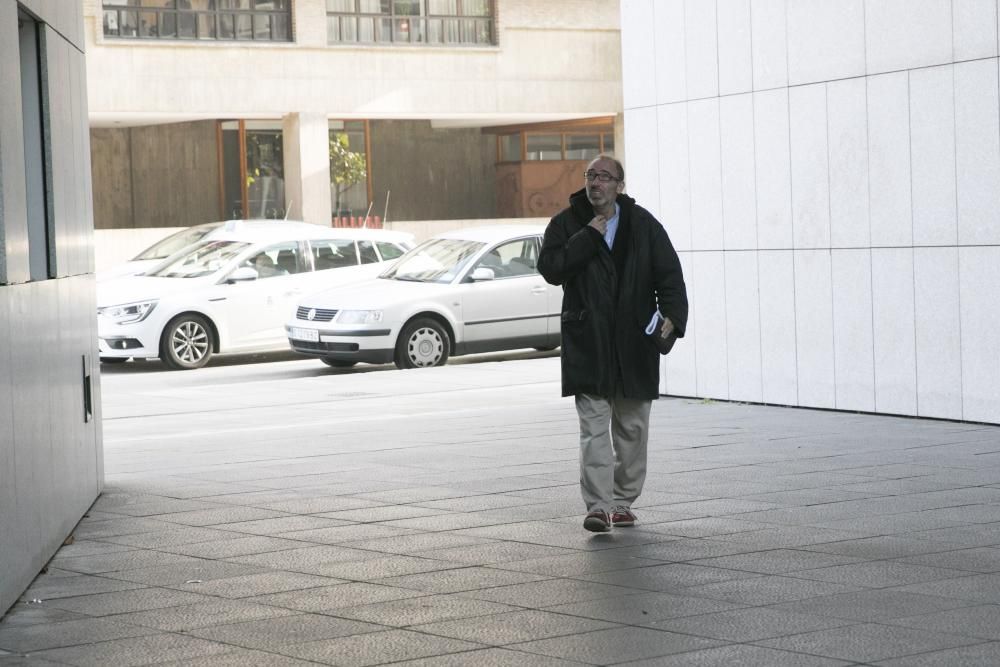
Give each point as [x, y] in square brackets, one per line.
[359, 316]
[128, 313]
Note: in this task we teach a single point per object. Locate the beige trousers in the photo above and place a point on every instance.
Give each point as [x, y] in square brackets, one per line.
[613, 436]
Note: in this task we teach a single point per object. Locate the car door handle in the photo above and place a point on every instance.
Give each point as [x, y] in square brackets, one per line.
[539, 290]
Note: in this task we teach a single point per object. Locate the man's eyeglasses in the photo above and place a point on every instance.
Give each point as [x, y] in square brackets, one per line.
[602, 176]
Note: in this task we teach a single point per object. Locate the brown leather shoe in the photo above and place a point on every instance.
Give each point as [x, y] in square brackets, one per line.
[597, 522]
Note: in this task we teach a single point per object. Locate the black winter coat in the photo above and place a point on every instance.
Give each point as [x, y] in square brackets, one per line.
[608, 298]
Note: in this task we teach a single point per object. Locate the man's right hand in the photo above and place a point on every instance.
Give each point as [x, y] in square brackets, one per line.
[600, 223]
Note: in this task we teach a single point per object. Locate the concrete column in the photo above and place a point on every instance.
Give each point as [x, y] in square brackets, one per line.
[307, 167]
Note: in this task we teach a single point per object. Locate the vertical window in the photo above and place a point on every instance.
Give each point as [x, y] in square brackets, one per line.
[451, 22]
[544, 147]
[40, 255]
[348, 168]
[510, 147]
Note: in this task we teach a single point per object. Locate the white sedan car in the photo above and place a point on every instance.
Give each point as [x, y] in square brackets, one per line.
[233, 290]
[462, 292]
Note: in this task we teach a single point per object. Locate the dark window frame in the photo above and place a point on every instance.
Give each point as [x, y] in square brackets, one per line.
[213, 24]
[397, 29]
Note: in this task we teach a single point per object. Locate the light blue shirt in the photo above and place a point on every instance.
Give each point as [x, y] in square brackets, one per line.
[612, 228]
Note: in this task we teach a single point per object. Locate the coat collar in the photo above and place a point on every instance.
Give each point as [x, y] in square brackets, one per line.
[583, 210]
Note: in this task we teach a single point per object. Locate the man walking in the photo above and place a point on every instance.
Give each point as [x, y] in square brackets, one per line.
[617, 268]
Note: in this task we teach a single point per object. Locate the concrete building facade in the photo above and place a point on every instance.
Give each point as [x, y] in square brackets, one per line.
[830, 173]
[189, 124]
[51, 467]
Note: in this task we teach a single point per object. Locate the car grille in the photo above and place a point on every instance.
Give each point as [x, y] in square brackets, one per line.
[324, 347]
[322, 314]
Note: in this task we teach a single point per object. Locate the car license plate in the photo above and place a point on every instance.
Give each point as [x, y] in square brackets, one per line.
[311, 335]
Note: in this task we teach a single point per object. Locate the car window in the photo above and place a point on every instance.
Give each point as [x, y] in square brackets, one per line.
[201, 260]
[389, 250]
[434, 261]
[511, 259]
[367, 251]
[333, 253]
[176, 241]
[266, 264]
[288, 258]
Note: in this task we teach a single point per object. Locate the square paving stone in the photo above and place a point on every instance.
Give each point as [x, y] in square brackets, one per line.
[32, 638]
[880, 548]
[776, 561]
[741, 655]
[984, 560]
[496, 552]
[239, 658]
[135, 652]
[642, 609]
[329, 598]
[489, 657]
[460, 579]
[169, 537]
[411, 544]
[980, 655]
[376, 648]
[420, 610]
[976, 587]
[250, 585]
[125, 560]
[81, 548]
[306, 559]
[21, 615]
[668, 578]
[604, 647]
[48, 587]
[95, 530]
[873, 605]
[509, 628]
[867, 642]
[202, 615]
[575, 564]
[766, 589]
[197, 570]
[982, 621]
[879, 574]
[380, 568]
[120, 602]
[748, 625]
[268, 633]
[550, 592]
[378, 514]
[233, 546]
[353, 532]
[279, 524]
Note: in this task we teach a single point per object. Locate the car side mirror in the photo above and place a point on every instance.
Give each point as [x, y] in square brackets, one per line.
[243, 274]
[482, 273]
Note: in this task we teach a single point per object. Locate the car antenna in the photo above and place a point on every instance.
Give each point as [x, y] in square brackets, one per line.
[365, 225]
[288, 209]
[385, 213]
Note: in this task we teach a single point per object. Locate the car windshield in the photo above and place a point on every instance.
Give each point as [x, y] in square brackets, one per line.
[168, 246]
[201, 260]
[434, 261]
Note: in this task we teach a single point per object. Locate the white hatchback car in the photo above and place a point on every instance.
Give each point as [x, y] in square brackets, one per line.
[462, 292]
[233, 290]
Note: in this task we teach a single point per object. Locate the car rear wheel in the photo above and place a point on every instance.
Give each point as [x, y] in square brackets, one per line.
[186, 343]
[338, 363]
[422, 343]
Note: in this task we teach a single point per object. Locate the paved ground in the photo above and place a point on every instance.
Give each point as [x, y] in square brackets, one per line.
[287, 514]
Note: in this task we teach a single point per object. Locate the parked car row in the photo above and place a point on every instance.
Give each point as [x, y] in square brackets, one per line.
[342, 295]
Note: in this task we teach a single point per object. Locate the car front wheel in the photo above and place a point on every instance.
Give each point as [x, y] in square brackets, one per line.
[422, 343]
[186, 343]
